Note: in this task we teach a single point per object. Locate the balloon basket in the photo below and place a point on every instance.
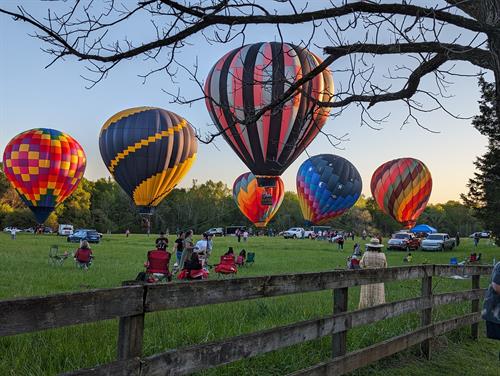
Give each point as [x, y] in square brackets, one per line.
[266, 181]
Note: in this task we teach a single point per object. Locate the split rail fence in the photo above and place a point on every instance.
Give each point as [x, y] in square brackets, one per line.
[130, 303]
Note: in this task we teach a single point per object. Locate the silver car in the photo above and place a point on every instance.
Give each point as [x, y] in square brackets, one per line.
[438, 242]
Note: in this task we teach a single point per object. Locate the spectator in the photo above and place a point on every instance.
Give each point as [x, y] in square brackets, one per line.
[373, 294]
[162, 239]
[491, 307]
[127, 232]
[238, 234]
[457, 239]
[13, 232]
[408, 258]
[363, 235]
[187, 248]
[178, 248]
[245, 235]
[157, 263]
[204, 248]
[476, 239]
[240, 260]
[356, 250]
[83, 255]
[340, 242]
[349, 265]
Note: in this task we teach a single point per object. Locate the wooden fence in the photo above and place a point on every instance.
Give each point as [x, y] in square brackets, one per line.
[131, 302]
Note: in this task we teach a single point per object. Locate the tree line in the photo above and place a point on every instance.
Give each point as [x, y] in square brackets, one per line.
[102, 205]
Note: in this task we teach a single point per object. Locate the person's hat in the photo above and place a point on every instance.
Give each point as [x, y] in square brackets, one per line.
[374, 243]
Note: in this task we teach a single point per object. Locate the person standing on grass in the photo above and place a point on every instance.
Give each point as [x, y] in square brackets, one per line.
[13, 233]
[491, 307]
[127, 233]
[162, 239]
[476, 239]
[457, 239]
[245, 235]
[178, 248]
[373, 294]
[340, 242]
[187, 250]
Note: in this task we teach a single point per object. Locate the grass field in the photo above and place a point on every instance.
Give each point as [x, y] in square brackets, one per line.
[25, 272]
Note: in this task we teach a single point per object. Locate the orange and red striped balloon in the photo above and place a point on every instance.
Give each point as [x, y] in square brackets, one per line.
[402, 188]
[258, 204]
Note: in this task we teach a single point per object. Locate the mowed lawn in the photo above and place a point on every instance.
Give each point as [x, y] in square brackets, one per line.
[24, 271]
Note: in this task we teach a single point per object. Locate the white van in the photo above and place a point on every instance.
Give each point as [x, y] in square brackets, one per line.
[65, 230]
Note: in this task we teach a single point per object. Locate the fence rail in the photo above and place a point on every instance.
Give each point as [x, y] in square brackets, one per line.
[131, 302]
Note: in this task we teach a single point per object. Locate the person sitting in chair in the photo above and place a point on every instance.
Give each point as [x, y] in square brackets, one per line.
[193, 269]
[240, 260]
[83, 255]
[157, 264]
[227, 263]
[473, 257]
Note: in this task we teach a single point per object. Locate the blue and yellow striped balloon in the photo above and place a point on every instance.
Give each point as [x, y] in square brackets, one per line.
[148, 151]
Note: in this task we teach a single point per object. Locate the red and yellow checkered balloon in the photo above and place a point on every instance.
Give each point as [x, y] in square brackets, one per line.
[45, 167]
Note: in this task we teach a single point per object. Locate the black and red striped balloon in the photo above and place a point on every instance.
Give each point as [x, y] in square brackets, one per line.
[250, 77]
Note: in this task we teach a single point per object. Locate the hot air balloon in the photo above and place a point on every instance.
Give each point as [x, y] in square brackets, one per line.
[258, 204]
[44, 166]
[250, 77]
[327, 186]
[402, 188]
[148, 150]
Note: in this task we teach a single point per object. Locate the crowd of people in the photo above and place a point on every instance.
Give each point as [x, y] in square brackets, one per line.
[192, 260]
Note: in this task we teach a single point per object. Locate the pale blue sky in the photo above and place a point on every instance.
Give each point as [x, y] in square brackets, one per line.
[31, 96]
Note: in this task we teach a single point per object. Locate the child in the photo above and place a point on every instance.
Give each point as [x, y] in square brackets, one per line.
[240, 260]
[408, 258]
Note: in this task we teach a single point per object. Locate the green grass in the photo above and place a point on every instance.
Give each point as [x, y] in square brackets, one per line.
[25, 272]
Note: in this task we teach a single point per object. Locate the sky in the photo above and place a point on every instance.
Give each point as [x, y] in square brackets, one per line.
[31, 97]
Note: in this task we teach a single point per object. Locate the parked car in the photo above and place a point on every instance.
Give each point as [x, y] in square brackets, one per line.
[9, 229]
[65, 230]
[31, 230]
[47, 230]
[298, 233]
[438, 242]
[215, 231]
[482, 234]
[405, 241]
[92, 236]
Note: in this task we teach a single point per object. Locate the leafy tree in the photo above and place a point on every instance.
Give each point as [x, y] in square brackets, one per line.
[4, 183]
[484, 187]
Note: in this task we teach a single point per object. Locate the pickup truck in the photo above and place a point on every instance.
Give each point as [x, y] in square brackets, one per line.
[297, 233]
[404, 241]
[438, 242]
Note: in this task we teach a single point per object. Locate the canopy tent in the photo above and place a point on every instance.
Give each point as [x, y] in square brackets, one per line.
[423, 228]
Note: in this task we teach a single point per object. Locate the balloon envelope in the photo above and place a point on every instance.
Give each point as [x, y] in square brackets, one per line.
[327, 186]
[44, 166]
[258, 204]
[250, 77]
[148, 151]
[402, 188]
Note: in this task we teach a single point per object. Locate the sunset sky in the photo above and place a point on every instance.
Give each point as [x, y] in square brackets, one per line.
[31, 96]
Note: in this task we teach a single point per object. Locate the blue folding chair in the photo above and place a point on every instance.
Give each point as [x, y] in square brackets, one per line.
[453, 261]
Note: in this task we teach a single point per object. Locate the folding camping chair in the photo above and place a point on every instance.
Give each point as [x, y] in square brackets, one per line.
[55, 258]
[250, 258]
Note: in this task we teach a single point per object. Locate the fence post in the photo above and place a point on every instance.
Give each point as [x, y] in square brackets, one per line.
[474, 329]
[339, 340]
[426, 314]
[130, 332]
